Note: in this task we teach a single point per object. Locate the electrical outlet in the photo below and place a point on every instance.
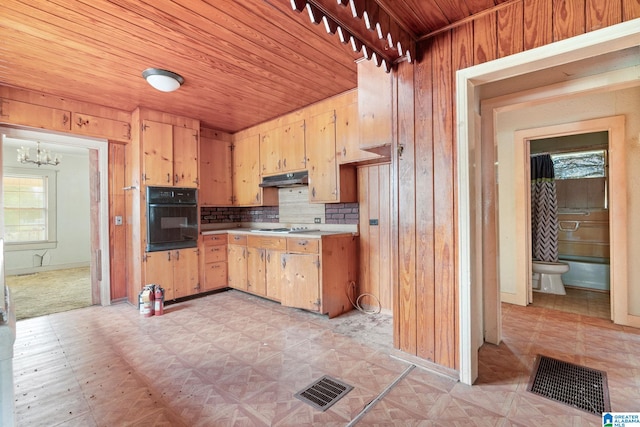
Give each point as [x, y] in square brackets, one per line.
[317, 220]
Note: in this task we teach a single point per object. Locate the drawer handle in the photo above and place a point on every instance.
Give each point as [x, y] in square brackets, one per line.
[303, 243]
[236, 237]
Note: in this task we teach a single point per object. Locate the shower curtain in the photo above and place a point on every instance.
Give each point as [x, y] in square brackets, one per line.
[544, 209]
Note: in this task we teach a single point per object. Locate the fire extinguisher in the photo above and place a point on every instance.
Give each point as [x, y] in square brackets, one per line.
[159, 301]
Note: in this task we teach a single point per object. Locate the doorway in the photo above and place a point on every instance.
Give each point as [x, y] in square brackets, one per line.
[580, 164]
[504, 78]
[75, 189]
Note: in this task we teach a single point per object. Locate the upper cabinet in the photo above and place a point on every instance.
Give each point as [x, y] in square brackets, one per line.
[282, 149]
[348, 137]
[169, 155]
[246, 175]
[215, 169]
[375, 96]
[23, 113]
[326, 184]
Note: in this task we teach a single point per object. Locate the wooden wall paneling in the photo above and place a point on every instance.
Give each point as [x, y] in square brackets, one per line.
[424, 205]
[510, 24]
[630, 9]
[96, 255]
[484, 41]
[404, 314]
[364, 240]
[537, 23]
[600, 14]
[568, 18]
[374, 236]
[117, 233]
[384, 251]
[444, 209]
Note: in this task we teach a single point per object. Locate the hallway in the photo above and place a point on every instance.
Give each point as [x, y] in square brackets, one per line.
[233, 359]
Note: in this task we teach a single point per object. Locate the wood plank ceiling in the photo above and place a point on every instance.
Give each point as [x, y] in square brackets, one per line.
[244, 62]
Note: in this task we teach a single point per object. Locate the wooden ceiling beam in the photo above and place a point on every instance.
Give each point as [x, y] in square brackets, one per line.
[364, 24]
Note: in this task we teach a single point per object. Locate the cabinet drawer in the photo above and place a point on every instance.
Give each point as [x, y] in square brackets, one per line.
[215, 275]
[278, 243]
[237, 239]
[303, 245]
[214, 239]
[215, 253]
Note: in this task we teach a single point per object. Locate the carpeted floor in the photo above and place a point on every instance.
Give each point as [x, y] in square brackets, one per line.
[49, 292]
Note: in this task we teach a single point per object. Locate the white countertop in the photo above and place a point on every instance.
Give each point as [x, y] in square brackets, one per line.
[255, 231]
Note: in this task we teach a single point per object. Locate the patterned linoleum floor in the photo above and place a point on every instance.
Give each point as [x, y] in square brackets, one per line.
[232, 359]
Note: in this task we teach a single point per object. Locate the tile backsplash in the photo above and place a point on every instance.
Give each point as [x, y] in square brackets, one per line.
[294, 208]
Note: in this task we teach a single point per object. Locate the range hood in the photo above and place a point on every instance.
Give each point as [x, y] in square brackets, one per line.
[286, 180]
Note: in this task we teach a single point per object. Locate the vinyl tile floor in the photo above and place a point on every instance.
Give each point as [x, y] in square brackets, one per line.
[232, 359]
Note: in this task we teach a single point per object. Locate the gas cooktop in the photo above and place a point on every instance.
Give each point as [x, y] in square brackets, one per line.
[283, 230]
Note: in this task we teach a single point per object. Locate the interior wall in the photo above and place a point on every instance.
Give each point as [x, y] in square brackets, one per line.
[623, 102]
[374, 195]
[73, 216]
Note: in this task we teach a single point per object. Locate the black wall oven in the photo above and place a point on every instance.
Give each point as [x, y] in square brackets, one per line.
[172, 218]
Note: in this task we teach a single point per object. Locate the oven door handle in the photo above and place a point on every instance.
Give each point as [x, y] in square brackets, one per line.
[172, 205]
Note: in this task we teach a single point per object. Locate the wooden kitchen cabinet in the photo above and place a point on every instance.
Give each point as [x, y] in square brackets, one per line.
[86, 124]
[263, 266]
[237, 261]
[282, 149]
[216, 171]
[375, 100]
[328, 182]
[213, 262]
[246, 175]
[348, 137]
[176, 271]
[169, 155]
[23, 113]
[316, 273]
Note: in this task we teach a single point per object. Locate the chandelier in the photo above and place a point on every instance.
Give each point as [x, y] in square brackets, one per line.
[43, 156]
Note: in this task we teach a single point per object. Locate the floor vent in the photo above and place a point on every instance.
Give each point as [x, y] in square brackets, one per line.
[324, 392]
[574, 385]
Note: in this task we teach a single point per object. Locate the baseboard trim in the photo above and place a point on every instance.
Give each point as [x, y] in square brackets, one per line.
[33, 270]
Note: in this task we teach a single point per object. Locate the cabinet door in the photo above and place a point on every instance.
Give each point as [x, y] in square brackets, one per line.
[23, 113]
[157, 153]
[185, 272]
[185, 157]
[215, 173]
[270, 163]
[301, 281]
[237, 267]
[321, 156]
[375, 99]
[256, 263]
[100, 126]
[246, 173]
[292, 147]
[215, 276]
[159, 271]
[273, 274]
[348, 137]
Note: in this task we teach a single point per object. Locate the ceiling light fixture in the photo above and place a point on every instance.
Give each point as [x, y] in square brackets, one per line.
[43, 157]
[163, 80]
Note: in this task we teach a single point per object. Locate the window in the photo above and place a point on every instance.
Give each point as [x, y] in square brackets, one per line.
[580, 164]
[29, 209]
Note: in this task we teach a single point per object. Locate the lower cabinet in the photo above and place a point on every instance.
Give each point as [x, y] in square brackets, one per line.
[237, 261]
[310, 273]
[263, 266]
[176, 271]
[213, 262]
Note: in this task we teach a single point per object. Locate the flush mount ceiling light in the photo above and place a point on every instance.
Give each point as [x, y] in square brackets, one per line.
[163, 80]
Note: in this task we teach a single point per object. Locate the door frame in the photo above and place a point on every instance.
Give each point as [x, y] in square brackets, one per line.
[473, 322]
[614, 126]
[100, 272]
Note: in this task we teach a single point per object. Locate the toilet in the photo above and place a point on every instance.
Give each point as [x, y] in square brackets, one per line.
[547, 278]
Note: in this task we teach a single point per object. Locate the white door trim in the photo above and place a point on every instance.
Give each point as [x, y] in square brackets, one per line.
[609, 39]
[102, 146]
